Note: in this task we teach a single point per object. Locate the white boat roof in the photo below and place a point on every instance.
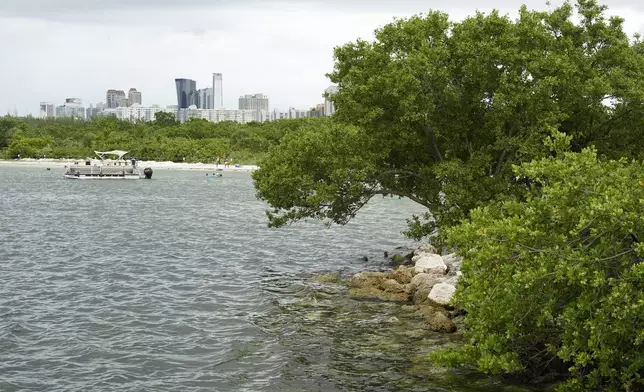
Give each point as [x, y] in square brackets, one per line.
[118, 153]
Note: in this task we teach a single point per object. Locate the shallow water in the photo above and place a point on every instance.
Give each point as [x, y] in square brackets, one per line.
[176, 284]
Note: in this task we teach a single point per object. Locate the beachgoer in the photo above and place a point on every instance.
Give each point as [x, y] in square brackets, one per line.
[217, 161]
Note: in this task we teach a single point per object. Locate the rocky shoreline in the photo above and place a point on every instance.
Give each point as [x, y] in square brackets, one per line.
[424, 283]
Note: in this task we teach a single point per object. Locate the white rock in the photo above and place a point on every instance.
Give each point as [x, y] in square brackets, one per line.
[453, 262]
[423, 278]
[432, 264]
[442, 293]
[425, 248]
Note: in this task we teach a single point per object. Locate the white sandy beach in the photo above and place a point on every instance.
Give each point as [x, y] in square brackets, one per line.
[142, 164]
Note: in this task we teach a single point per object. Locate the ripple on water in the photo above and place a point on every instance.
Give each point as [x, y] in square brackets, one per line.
[176, 284]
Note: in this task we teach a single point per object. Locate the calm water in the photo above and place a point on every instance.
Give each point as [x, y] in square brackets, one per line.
[176, 284]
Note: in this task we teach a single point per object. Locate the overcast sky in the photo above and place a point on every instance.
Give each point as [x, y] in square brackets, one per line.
[53, 49]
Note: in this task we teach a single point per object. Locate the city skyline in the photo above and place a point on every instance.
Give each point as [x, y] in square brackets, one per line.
[283, 52]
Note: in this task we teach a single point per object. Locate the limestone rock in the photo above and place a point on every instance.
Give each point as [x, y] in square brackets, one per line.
[441, 294]
[409, 308]
[431, 264]
[392, 286]
[375, 293]
[453, 262]
[439, 322]
[368, 279]
[422, 293]
[425, 248]
[426, 310]
[423, 278]
[402, 275]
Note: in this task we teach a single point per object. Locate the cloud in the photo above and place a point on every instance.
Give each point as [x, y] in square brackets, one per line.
[71, 48]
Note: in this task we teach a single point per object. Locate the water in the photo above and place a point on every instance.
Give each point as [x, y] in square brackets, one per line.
[176, 284]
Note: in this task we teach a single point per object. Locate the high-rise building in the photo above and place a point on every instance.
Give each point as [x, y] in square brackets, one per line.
[47, 110]
[217, 91]
[253, 102]
[329, 106]
[133, 96]
[206, 98]
[186, 93]
[114, 98]
[73, 107]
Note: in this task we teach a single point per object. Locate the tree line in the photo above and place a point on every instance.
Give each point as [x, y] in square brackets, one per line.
[163, 139]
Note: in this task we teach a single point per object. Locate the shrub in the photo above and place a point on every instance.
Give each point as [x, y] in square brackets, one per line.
[555, 283]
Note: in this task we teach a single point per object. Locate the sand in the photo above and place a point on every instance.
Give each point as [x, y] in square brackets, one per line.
[141, 164]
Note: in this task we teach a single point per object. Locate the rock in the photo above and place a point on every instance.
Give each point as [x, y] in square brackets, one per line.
[421, 294]
[402, 275]
[439, 322]
[441, 294]
[453, 262]
[453, 280]
[369, 279]
[431, 264]
[409, 308]
[425, 248]
[328, 278]
[375, 293]
[425, 310]
[392, 286]
[398, 259]
[424, 278]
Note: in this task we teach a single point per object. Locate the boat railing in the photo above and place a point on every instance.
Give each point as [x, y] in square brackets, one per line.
[82, 170]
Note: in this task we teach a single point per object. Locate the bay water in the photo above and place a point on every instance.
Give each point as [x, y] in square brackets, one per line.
[177, 284]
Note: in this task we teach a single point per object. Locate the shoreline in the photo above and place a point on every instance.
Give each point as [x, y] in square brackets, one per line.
[44, 163]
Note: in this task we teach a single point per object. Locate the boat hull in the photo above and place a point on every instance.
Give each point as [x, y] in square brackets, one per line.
[127, 177]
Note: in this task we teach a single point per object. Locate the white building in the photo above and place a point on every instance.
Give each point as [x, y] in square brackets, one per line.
[291, 113]
[217, 91]
[73, 107]
[218, 115]
[257, 101]
[47, 110]
[146, 113]
[135, 112]
[329, 106]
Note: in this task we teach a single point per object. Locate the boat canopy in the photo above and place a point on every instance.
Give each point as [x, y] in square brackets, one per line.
[118, 153]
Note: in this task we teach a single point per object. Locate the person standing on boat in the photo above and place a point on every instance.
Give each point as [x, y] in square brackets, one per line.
[133, 159]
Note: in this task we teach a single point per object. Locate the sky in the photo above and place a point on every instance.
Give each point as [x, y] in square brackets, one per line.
[55, 49]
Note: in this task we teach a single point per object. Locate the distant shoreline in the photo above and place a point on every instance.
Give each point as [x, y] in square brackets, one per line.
[30, 162]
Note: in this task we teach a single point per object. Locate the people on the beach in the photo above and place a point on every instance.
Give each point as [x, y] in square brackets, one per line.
[217, 161]
[227, 161]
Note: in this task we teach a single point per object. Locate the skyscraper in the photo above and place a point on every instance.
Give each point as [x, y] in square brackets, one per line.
[253, 102]
[217, 91]
[134, 96]
[206, 98]
[186, 93]
[114, 98]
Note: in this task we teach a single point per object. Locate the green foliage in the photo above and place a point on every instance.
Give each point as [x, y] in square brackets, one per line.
[556, 283]
[445, 109]
[162, 140]
[321, 171]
